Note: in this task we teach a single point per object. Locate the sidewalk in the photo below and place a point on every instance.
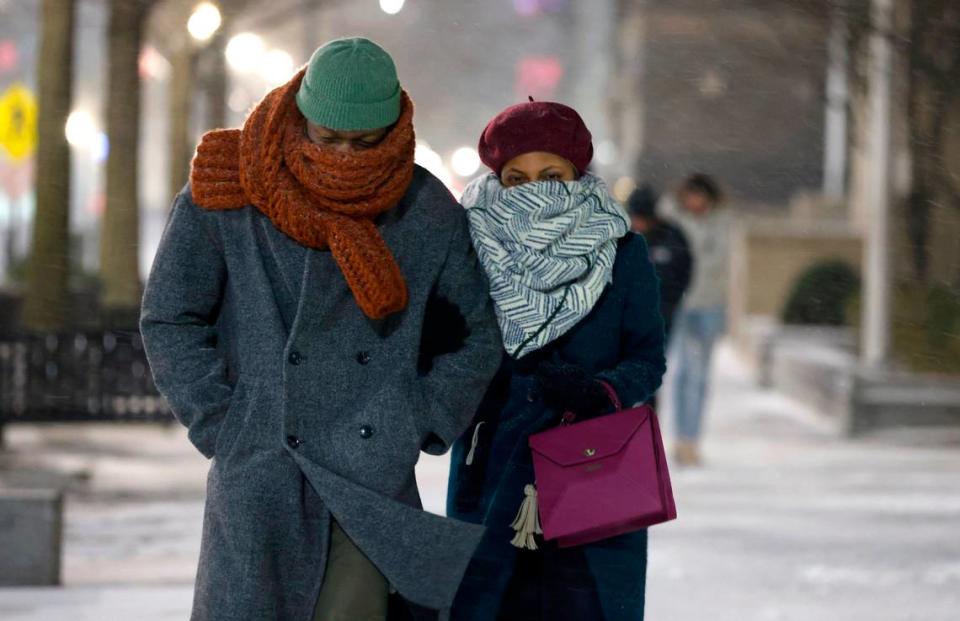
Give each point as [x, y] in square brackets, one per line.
[789, 522]
[786, 521]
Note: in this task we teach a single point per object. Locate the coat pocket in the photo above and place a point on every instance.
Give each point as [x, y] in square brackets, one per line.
[415, 418]
[232, 425]
[407, 419]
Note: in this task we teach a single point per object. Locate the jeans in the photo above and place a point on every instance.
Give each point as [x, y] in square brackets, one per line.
[695, 331]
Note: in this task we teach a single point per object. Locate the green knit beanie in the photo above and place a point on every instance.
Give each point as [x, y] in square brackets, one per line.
[350, 85]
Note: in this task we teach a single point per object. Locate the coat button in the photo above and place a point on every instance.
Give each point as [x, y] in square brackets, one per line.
[294, 358]
[294, 442]
[366, 432]
[363, 357]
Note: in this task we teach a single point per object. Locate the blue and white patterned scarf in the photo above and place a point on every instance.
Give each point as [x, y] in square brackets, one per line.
[548, 248]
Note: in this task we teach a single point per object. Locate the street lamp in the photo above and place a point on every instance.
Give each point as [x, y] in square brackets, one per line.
[465, 161]
[244, 51]
[391, 7]
[606, 153]
[431, 160]
[81, 129]
[275, 67]
[622, 188]
[204, 21]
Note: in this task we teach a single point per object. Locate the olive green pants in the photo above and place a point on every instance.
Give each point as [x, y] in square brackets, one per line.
[353, 588]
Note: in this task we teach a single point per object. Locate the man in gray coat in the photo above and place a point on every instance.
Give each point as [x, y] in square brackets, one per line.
[296, 319]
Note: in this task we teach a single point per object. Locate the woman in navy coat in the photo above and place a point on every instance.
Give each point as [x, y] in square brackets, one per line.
[577, 299]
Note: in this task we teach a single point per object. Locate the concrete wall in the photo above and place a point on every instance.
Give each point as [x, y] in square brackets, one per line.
[31, 535]
[767, 257]
[828, 378]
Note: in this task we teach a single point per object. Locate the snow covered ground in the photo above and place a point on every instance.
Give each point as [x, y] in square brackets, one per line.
[790, 522]
[786, 521]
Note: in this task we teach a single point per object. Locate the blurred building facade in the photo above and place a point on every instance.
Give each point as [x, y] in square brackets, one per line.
[461, 61]
[734, 88]
[754, 92]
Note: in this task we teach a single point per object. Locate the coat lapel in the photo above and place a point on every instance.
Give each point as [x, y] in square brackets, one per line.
[285, 262]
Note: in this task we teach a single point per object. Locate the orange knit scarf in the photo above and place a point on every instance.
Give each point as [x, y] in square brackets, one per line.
[320, 197]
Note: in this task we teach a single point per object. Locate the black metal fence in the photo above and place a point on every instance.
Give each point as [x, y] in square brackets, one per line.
[82, 376]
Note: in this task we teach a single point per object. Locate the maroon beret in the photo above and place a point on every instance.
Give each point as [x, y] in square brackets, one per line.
[536, 126]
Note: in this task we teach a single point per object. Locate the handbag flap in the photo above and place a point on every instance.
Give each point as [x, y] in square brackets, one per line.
[597, 438]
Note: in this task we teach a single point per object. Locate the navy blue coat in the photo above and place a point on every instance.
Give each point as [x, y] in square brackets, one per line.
[622, 342]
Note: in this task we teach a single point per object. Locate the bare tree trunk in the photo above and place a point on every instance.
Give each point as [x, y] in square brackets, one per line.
[46, 306]
[217, 82]
[120, 234]
[627, 107]
[933, 56]
[181, 143]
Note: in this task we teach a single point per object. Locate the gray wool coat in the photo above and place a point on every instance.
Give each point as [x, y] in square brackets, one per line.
[309, 409]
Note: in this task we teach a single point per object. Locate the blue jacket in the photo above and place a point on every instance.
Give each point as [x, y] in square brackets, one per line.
[622, 342]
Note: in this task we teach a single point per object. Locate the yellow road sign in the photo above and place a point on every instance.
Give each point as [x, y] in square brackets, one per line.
[18, 122]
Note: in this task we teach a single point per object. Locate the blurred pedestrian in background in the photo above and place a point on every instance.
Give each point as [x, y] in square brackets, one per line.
[669, 252]
[668, 248]
[702, 317]
[284, 323]
[564, 274]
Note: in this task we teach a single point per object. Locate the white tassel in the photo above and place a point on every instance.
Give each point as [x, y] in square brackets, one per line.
[527, 522]
[473, 443]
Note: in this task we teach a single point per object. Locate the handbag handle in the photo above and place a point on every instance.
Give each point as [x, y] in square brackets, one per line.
[569, 417]
[614, 397]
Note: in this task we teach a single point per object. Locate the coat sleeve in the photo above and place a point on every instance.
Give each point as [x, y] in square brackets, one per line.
[642, 362]
[675, 275]
[456, 381]
[181, 303]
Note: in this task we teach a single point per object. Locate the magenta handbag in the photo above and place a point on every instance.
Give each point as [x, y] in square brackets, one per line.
[603, 477]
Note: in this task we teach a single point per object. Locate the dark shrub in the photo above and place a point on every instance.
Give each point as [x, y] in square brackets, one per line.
[821, 294]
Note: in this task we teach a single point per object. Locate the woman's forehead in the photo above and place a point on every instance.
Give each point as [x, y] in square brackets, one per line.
[538, 160]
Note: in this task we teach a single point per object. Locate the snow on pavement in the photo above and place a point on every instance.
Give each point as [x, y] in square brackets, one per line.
[787, 521]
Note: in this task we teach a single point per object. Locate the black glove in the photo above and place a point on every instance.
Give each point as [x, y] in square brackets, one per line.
[445, 331]
[568, 388]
